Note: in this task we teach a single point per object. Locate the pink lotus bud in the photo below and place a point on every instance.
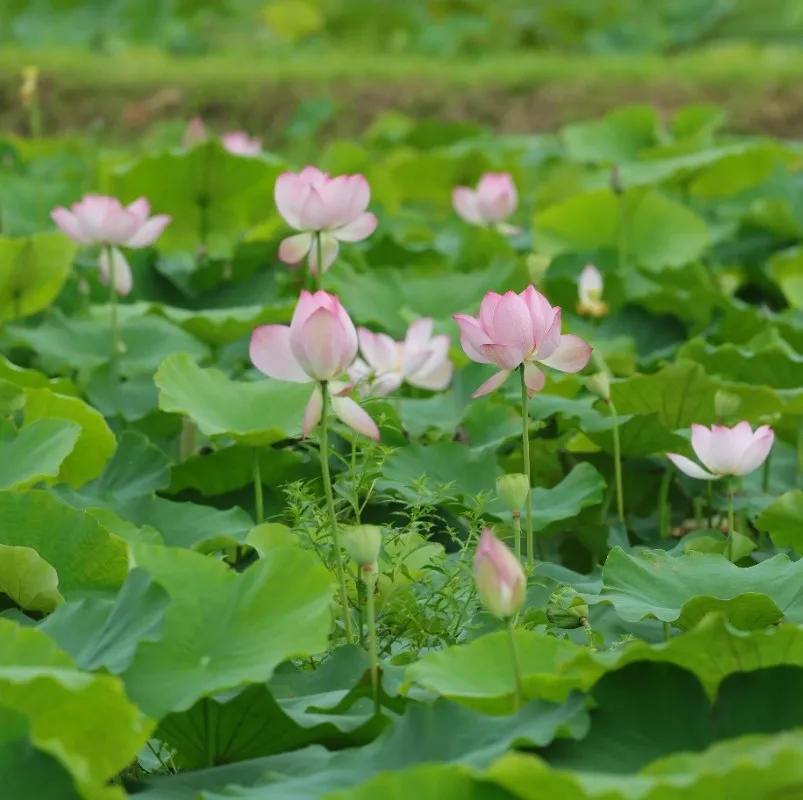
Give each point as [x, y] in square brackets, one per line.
[239, 143]
[493, 201]
[333, 209]
[590, 293]
[194, 133]
[514, 329]
[99, 220]
[725, 451]
[499, 577]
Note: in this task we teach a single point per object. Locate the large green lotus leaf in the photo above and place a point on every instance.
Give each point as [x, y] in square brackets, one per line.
[100, 633]
[640, 435]
[786, 269]
[783, 520]
[479, 674]
[682, 394]
[64, 345]
[660, 231]
[85, 556]
[258, 413]
[28, 580]
[33, 379]
[204, 187]
[775, 365]
[219, 326]
[85, 721]
[33, 271]
[683, 590]
[225, 629]
[36, 452]
[96, 442]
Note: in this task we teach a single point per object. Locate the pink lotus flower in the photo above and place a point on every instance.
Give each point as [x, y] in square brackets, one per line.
[590, 293]
[421, 360]
[320, 344]
[725, 451]
[239, 143]
[499, 577]
[515, 329]
[493, 201]
[333, 209]
[194, 133]
[102, 220]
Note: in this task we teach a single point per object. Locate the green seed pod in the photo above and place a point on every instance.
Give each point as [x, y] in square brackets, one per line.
[363, 543]
[726, 404]
[512, 490]
[600, 385]
[566, 609]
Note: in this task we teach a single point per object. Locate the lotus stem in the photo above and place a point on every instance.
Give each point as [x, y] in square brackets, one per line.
[731, 526]
[667, 631]
[518, 696]
[525, 446]
[113, 311]
[617, 464]
[369, 580]
[258, 500]
[664, 511]
[319, 271]
[517, 533]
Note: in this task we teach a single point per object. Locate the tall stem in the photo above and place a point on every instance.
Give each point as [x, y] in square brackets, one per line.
[514, 657]
[623, 231]
[189, 434]
[319, 251]
[731, 526]
[517, 533]
[113, 310]
[765, 476]
[354, 480]
[667, 631]
[330, 503]
[258, 501]
[525, 446]
[664, 511]
[617, 465]
[368, 579]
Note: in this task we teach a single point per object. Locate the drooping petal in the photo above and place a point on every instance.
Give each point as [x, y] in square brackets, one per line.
[701, 444]
[571, 355]
[512, 325]
[503, 355]
[271, 354]
[314, 213]
[320, 346]
[690, 468]
[312, 413]
[293, 249]
[534, 379]
[379, 350]
[70, 225]
[150, 231]
[466, 204]
[329, 251]
[385, 383]
[117, 271]
[433, 377]
[358, 229]
[355, 417]
[493, 383]
[290, 193]
[758, 450]
[472, 338]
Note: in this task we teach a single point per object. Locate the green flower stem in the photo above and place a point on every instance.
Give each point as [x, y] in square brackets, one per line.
[319, 249]
[330, 503]
[258, 501]
[667, 631]
[589, 633]
[731, 526]
[525, 446]
[765, 475]
[113, 312]
[368, 580]
[710, 502]
[517, 533]
[664, 511]
[189, 438]
[514, 657]
[617, 464]
[354, 480]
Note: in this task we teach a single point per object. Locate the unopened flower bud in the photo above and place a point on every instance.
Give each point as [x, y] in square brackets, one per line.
[566, 609]
[600, 385]
[499, 577]
[726, 404]
[617, 187]
[363, 542]
[513, 490]
[29, 88]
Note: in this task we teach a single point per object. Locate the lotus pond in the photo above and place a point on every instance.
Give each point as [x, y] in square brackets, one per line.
[253, 537]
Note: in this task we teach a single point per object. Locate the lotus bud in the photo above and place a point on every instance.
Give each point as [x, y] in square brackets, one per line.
[499, 577]
[513, 490]
[29, 88]
[566, 609]
[362, 543]
[617, 187]
[600, 385]
[726, 404]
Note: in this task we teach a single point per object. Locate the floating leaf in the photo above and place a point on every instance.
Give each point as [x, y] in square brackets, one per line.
[782, 519]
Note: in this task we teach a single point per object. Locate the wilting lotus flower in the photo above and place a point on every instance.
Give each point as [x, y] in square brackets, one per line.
[194, 133]
[102, 220]
[493, 201]
[239, 143]
[421, 360]
[317, 205]
[320, 344]
[590, 293]
[725, 451]
[499, 577]
[514, 329]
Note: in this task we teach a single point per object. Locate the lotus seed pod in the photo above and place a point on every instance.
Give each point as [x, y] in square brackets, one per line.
[726, 404]
[600, 385]
[566, 609]
[512, 490]
[363, 542]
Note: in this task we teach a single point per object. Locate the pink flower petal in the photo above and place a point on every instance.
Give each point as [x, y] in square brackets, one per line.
[315, 215]
[290, 193]
[499, 577]
[307, 304]
[320, 346]
[466, 205]
[433, 376]
[312, 413]
[493, 383]
[701, 444]
[758, 450]
[355, 417]
[379, 350]
[293, 249]
[118, 267]
[571, 355]
[726, 446]
[690, 468]
[486, 315]
[419, 333]
[503, 355]
[472, 338]
[141, 208]
[70, 225]
[119, 225]
[150, 231]
[343, 197]
[271, 354]
[329, 251]
[312, 176]
[513, 327]
[497, 196]
[358, 229]
[541, 312]
[550, 341]
[534, 379]
[590, 286]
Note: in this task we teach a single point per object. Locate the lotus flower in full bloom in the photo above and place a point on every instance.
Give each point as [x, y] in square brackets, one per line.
[101, 220]
[515, 329]
[590, 293]
[333, 209]
[421, 360]
[320, 345]
[499, 577]
[491, 203]
[725, 451]
[239, 143]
